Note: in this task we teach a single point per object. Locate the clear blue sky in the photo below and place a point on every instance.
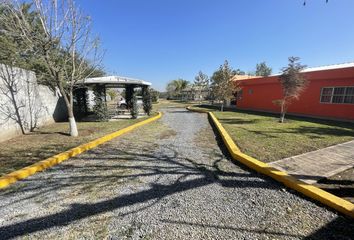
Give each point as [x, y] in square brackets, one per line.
[161, 40]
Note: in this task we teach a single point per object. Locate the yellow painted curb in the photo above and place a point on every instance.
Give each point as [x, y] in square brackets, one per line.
[13, 177]
[337, 203]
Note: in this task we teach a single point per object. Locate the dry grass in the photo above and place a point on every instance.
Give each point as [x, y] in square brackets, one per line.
[163, 103]
[47, 141]
[263, 137]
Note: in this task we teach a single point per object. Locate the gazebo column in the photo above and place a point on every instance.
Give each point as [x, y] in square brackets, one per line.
[99, 91]
[144, 89]
[105, 94]
[80, 106]
[85, 100]
[129, 91]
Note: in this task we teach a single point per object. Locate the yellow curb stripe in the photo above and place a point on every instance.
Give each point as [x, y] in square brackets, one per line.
[225, 136]
[337, 203]
[13, 177]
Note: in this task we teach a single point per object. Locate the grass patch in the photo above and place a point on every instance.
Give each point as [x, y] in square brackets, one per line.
[163, 103]
[49, 140]
[263, 137]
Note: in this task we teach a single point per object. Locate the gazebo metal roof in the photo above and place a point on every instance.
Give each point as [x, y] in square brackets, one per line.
[115, 82]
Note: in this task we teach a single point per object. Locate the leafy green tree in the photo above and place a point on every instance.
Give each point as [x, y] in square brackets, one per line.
[293, 83]
[201, 80]
[154, 95]
[223, 87]
[201, 83]
[175, 87]
[263, 70]
[238, 72]
[14, 49]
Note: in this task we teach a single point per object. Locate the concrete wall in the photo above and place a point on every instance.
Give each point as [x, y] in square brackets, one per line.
[37, 104]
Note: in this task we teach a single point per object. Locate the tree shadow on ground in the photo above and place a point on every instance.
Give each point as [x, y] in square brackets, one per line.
[239, 120]
[289, 117]
[318, 131]
[309, 132]
[50, 133]
[202, 175]
[340, 228]
[239, 229]
[128, 165]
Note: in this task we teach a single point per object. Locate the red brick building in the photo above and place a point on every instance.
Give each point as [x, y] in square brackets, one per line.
[329, 94]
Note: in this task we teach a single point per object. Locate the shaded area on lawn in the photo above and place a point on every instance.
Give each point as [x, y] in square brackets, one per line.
[260, 135]
[52, 139]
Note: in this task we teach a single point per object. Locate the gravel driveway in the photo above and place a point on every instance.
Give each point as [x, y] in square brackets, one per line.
[167, 180]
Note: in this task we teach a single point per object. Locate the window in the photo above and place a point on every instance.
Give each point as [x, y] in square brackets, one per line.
[349, 95]
[326, 95]
[250, 91]
[337, 95]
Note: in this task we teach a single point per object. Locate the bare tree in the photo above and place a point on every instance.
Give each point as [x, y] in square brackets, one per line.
[10, 106]
[223, 87]
[19, 100]
[293, 83]
[64, 45]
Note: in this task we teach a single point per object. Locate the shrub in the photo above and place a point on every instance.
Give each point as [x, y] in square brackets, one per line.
[100, 108]
[147, 103]
[134, 110]
[154, 96]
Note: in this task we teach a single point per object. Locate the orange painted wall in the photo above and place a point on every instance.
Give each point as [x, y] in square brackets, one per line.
[258, 94]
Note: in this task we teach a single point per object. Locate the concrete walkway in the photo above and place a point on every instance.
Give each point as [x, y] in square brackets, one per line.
[313, 166]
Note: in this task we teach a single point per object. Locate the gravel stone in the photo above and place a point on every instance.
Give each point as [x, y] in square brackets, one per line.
[167, 180]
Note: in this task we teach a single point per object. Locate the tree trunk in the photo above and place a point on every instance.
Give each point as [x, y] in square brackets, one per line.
[222, 106]
[72, 123]
[69, 105]
[282, 112]
[228, 102]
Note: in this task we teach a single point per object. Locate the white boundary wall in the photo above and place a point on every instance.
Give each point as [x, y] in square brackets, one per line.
[37, 104]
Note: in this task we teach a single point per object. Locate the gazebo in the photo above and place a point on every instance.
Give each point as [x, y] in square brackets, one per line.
[100, 85]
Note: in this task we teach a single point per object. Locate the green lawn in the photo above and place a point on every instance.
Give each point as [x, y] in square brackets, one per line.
[263, 137]
[47, 141]
[163, 103]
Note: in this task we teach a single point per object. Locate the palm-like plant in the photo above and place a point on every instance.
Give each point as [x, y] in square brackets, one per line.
[175, 87]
